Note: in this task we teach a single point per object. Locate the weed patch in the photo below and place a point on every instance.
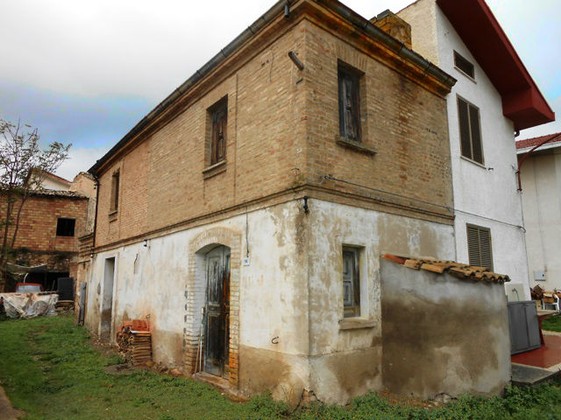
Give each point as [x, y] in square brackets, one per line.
[50, 370]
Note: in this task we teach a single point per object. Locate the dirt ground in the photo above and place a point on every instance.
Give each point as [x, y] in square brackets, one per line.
[7, 412]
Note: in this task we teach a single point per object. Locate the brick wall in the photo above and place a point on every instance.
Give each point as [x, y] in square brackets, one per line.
[37, 229]
[403, 122]
[282, 133]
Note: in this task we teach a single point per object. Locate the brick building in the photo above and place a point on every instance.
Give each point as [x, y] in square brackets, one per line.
[246, 214]
[51, 220]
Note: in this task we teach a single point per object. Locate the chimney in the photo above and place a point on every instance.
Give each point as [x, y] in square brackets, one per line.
[393, 25]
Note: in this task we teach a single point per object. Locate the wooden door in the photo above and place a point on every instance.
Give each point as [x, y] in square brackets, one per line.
[217, 333]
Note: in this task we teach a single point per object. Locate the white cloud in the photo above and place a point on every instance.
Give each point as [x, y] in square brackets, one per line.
[80, 160]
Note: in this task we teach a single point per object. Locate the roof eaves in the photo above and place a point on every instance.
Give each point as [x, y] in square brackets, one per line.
[474, 21]
[198, 75]
[335, 6]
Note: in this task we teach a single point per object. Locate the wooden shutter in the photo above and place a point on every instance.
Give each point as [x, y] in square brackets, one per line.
[479, 246]
[218, 132]
[349, 103]
[470, 131]
[476, 147]
[463, 117]
[351, 283]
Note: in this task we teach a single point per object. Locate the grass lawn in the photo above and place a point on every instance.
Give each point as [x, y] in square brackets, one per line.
[50, 370]
[552, 324]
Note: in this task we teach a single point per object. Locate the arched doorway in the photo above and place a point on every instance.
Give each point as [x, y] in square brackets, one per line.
[217, 311]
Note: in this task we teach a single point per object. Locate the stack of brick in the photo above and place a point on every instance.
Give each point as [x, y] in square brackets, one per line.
[134, 340]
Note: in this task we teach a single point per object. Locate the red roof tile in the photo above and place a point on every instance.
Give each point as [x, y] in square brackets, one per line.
[548, 139]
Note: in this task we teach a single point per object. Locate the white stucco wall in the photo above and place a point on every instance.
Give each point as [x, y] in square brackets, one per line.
[484, 195]
[291, 335]
[541, 184]
[152, 281]
[346, 354]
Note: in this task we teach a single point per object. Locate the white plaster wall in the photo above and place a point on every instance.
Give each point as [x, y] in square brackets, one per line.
[347, 362]
[151, 282]
[541, 183]
[484, 195]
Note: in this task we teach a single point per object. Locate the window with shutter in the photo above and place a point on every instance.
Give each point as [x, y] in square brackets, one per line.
[218, 128]
[479, 246]
[470, 131]
[349, 102]
[115, 185]
[351, 282]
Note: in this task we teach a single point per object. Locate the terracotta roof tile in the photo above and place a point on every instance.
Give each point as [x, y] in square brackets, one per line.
[456, 269]
[549, 139]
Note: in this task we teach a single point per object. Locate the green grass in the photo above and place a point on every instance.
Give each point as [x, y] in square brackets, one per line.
[552, 323]
[50, 370]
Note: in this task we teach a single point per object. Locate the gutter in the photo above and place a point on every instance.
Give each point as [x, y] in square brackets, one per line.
[527, 155]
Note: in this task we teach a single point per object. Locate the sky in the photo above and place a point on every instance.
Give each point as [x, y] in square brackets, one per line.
[86, 71]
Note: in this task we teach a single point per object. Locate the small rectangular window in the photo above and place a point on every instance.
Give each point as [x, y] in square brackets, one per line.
[351, 282]
[480, 249]
[464, 65]
[349, 102]
[470, 131]
[115, 181]
[218, 114]
[65, 227]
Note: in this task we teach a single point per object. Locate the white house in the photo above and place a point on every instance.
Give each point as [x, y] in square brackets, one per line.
[494, 98]
[540, 176]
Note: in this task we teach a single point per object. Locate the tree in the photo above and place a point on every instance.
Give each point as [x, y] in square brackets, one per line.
[23, 166]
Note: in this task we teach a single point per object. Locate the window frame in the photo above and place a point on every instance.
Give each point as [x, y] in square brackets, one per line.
[480, 248]
[115, 192]
[63, 226]
[464, 65]
[469, 125]
[217, 115]
[350, 120]
[351, 307]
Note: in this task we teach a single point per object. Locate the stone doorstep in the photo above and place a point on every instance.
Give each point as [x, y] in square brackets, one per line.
[531, 375]
[222, 384]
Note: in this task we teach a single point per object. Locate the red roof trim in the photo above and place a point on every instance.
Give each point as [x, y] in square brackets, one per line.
[523, 102]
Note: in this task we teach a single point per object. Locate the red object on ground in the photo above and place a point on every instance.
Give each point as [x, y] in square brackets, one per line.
[546, 356]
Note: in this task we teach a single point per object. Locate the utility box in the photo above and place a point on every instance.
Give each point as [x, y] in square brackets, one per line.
[524, 327]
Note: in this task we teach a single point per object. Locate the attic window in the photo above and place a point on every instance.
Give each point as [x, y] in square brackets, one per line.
[464, 65]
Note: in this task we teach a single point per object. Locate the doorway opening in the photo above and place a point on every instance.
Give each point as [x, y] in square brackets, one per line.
[217, 312]
[107, 299]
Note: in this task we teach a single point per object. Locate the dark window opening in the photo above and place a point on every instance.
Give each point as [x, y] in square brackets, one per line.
[349, 102]
[65, 227]
[479, 246]
[115, 181]
[470, 131]
[219, 122]
[464, 65]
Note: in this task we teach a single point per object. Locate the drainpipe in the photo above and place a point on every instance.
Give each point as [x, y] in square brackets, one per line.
[527, 155]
